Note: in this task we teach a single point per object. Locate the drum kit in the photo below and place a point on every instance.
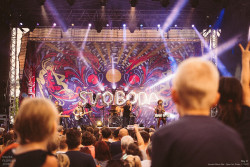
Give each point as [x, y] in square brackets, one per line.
[115, 116]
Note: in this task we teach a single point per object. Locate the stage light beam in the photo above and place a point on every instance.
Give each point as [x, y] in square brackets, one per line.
[174, 14]
[220, 65]
[218, 22]
[167, 78]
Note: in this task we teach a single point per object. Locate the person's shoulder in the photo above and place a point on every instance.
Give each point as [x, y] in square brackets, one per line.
[50, 161]
[79, 154]
[116, 143]
[169, 128]
[117, 156]
[84, 155]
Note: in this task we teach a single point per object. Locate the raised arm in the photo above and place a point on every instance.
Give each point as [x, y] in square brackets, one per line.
[138, 135]
[245, 74]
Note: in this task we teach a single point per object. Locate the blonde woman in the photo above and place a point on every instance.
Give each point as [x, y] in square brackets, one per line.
[36, 122]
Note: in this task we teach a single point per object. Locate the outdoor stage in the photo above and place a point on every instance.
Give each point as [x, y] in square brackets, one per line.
[105, 68]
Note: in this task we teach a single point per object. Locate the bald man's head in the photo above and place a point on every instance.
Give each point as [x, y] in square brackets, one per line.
[196, 83]
[123, 132]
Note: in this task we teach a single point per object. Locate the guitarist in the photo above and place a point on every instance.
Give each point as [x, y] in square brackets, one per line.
[78, 113]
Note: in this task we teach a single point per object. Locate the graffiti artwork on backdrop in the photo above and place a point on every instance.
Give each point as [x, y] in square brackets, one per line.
[68, 74]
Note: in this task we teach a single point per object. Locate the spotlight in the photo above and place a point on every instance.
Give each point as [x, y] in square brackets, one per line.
[158, 25]
[54, 24]
[41, 2]
[193, 25]
[102, 88]
[194, 3]
[103, 2]
[107, 25]
[164, 3]
[72, 24]
[71, 2]
[37, 24]
[210, 26]
[90, 24]
[31, 25]
[132, 27]
[113, 86]
[98, 26]
[140, 27]
[126, 89]
[133, 3]
[175, 25]
[124, 25]
[99, 123]
[20, 24]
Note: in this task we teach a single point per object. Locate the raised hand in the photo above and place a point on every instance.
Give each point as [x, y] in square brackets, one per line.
[245, 74]
[245, 52]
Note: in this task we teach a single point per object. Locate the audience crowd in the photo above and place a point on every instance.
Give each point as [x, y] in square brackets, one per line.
[195, 140]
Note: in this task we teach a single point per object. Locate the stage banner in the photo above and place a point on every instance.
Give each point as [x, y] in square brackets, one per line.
[103, 74]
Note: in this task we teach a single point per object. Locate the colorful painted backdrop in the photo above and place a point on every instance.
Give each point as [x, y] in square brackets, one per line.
[61, 70]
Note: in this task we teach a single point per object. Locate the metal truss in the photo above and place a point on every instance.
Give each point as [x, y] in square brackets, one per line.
[211, 36]
[115, 18]
[13, 74]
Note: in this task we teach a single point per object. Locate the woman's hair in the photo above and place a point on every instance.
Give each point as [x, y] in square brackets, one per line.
[102, 151]
[63, 160]
[230, 102]
[36, 120]
[133, 161]
[115, 163]
[88, 139]
[158, 102]
[133, 149]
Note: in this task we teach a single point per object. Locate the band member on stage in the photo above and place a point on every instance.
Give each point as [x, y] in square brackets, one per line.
[159, 109]
[60, 110]
[78, 113]
[126, 113]
[58, 107]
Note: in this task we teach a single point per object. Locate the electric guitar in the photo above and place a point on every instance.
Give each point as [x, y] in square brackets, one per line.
[80, 115]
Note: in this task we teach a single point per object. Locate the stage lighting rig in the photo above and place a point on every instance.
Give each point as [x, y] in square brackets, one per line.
[71, 2]
[41, 2]
[133, 3]
[164, 3]
[103, 2]
[98, 26]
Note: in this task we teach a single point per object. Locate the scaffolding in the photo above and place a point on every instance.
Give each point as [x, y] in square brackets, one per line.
[14, 81]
